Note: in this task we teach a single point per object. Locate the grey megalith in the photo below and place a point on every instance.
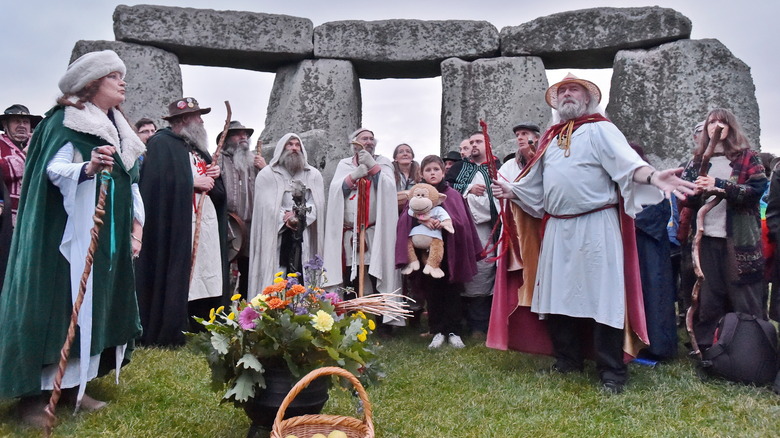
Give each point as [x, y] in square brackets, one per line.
[248, 40]
[502, 91]
[153, 77]
[315, 94]
[404, 48]
[658, 95]
[589, 38]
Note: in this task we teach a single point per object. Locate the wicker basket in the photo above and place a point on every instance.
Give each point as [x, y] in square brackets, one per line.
[304, 426]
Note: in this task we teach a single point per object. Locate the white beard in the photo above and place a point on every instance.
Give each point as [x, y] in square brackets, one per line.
[242, 157]
[195, 134]
[572, 110]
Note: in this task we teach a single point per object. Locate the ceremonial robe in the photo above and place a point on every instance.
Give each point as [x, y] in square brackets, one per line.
[50, 245]
[270, 186]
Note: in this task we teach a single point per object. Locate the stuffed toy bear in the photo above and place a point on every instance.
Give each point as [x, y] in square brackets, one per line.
[424, 203]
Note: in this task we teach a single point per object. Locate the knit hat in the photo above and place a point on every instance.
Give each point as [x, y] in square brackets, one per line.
[88, 67]
[551, 95]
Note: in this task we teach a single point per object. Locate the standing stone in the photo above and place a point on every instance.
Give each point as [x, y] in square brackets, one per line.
[153, 77]
[589, 38]
[248, 40]
[404, 48]
[321, 94]
[501, 91]
[658, 95]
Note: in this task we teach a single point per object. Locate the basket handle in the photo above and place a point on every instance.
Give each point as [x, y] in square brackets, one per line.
[312, 376]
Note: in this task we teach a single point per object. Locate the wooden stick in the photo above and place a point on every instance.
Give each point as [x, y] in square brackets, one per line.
[202, 199]
[97, 218]
[696, 245]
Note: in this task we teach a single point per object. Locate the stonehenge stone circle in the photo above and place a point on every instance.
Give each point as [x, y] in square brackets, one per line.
[248, 40]
[404, 48]
[590, 38]
[662, 81]
[659, 95]
[502, 91]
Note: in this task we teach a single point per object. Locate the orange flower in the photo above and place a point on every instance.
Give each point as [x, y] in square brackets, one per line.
[277, 303]
[276, 287]
[295, 290]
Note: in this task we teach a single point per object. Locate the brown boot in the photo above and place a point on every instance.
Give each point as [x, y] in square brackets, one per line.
[31, 411]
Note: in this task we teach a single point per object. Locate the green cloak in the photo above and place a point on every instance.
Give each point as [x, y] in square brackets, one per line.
[35, 305]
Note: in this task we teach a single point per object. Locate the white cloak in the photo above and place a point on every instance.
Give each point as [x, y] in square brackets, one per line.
[270, 186]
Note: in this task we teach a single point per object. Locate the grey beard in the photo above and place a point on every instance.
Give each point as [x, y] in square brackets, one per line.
[243, 159]
[195, 134]
[570, 111]
[293, 163]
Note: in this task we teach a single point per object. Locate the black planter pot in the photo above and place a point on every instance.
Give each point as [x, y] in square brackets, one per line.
[262, 408]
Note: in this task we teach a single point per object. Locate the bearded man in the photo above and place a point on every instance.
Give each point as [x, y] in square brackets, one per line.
[239, 168]
[588, 188]
[177, 172]
[17, 124]
[276, 230]
[342, 231]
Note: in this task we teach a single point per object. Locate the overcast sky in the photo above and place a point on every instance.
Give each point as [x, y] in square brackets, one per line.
[38, 37]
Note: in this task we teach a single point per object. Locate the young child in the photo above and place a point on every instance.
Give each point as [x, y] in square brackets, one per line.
[461, 252]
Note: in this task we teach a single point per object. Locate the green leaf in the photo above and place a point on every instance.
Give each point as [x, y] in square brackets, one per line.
[220, 343]
[243, 389]
[249, 361]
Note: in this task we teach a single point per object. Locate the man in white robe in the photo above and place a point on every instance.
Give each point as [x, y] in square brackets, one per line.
[273, 211]
[576, 185]
[342, 253]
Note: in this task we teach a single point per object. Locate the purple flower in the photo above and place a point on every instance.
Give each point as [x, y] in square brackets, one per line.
[247, 317]
[292, 281]
[333, 297]
[316, 263]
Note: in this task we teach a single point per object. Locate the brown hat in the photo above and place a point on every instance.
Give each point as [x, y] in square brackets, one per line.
[185, 105]
[235, 125]
[551, 95]
[19, 110]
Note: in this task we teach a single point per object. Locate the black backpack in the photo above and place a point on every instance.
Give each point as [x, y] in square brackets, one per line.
[744, 350]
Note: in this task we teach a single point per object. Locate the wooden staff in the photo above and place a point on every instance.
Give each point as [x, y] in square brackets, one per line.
[97, 218]
[362, 220]
[696, 245]
[202, 199]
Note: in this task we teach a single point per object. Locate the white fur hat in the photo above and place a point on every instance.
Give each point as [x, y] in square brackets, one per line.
[88, 67]
[356, 133]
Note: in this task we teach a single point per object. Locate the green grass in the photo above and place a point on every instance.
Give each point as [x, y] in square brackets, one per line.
[474, 392]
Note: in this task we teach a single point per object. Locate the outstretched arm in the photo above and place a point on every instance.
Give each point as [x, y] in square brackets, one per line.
[668, 181]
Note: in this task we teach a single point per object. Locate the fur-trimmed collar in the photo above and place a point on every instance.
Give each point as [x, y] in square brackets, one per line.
[92, 120]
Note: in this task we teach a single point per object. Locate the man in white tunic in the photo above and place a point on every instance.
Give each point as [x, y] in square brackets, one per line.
[275, 218]
[577, 185]
[342, 252]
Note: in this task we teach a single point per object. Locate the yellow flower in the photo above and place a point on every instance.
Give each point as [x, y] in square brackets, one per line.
[322, 321]
[212, 314]
[371, 324]
[292, 274]
[278, 280]
[362, 336]
[235, 297]
[279, 274]
[359, 314]
[232, 316]
[220, 309]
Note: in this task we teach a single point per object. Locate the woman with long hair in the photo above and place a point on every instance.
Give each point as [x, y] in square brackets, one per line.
[407, 171]
[731, 253]
[82, 136]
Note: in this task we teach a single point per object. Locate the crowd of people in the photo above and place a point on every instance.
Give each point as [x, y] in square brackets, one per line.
[574, 247]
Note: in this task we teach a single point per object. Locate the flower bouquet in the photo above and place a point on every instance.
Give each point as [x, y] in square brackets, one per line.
[291, 324]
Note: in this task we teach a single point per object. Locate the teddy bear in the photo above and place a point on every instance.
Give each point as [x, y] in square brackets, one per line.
[425, 203]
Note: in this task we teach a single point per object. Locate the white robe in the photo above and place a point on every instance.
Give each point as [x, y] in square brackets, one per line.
[271, 184]
[381, 260]
[207, 275]
[580, 266]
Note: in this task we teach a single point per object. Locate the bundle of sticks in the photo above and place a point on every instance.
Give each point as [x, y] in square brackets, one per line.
[391, 305]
